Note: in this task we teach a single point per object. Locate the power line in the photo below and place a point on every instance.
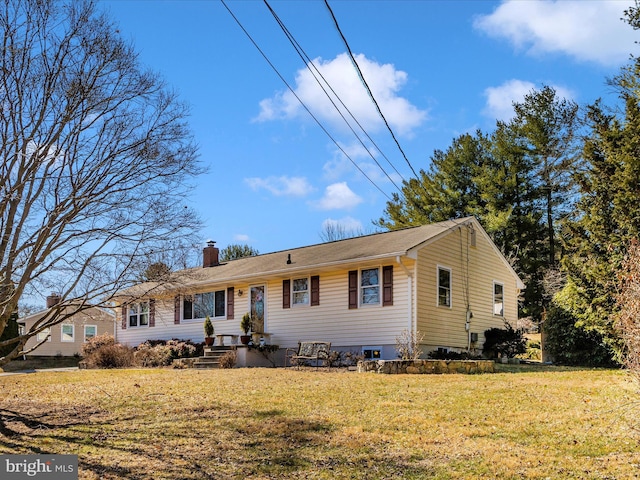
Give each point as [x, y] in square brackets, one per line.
[364, 82]
[299, 99]
[311, 67]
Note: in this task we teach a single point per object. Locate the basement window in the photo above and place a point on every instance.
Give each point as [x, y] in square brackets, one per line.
[372, 353]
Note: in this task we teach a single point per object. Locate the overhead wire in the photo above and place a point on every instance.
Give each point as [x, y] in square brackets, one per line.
[311, 66]
[366, 85]
[264, 55]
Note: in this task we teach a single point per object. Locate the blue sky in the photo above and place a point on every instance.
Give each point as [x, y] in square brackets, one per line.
[437, 69]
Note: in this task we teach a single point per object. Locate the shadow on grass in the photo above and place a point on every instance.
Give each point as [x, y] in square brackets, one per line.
[189, 443]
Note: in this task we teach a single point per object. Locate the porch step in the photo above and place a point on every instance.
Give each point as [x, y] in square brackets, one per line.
[211, 357]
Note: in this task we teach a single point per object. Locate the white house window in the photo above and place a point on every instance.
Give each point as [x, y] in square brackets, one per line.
[90, 331]
[444, 287]
[44, 335]
[301, 291]
[498, 299]
[201, 305]
[139, 314]
[370, 286]
[67, 332]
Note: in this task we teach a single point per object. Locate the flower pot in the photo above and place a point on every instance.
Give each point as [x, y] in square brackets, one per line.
[208, 341]
[244, 339]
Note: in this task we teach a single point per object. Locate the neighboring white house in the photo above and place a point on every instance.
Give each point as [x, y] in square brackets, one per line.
[446, 280]
[67, 337]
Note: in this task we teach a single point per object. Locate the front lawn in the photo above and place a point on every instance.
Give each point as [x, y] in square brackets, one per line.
[277, 423]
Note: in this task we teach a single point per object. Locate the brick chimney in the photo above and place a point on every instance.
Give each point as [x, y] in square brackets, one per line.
[53, 300]
[210, 255]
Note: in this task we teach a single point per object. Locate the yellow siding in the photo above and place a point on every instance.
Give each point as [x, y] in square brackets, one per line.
[332, 320]
[473, 272]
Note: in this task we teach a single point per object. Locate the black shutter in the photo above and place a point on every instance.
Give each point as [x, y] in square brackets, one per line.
[286, 293]
[152, 312]
[387, 285]
[230, 303]
[315, 290]
[176, 310]
[353, 289]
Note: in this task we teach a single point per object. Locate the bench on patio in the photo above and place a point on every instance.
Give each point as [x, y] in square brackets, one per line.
[309, 351]
[220, 339]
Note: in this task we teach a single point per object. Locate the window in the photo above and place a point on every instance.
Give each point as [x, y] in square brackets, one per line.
[370, 287]
[67, 332]
[90, 331]
[201, 305]
[44, 335]
[498, 299]
[444, 287]
[371, 353]
[139, 314]
[301, 291]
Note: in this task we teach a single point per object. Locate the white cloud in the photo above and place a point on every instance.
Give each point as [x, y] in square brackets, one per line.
[338, 196]
[340, 165]
[241, 237]
[500, 99]
[383, 79]
[588, 31]
[282, 186]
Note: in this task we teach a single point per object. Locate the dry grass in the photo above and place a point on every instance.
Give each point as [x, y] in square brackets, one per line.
[276, 423]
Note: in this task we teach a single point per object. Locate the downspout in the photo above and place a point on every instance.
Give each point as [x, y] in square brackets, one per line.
[411, 327]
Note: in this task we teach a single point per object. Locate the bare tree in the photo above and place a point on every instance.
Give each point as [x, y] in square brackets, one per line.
[627, 320]
[96, 160]
[335, 230]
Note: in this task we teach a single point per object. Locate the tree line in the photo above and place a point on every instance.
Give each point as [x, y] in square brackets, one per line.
[557, 188]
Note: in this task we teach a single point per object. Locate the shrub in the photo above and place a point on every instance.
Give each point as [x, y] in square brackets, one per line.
[408, 345]
[570, 344]
[442, 355]
[506, 341]
[159, 353]
[228, 360]
[111, 356]
[96, 343]
[152, 356]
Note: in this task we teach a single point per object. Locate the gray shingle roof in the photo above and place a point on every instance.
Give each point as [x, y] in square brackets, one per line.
[314, 257]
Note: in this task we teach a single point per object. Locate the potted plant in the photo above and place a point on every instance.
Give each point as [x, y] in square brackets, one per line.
[208, 331]
[245, 325]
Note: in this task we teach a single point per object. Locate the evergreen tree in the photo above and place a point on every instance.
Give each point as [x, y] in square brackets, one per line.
[235, 251]
[448, 190]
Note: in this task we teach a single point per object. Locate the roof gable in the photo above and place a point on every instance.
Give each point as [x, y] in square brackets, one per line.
[324, 255]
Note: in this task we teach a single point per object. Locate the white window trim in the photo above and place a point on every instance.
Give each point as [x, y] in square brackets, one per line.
[138, 316]
[85, 331]
[212, 315]
[448, 269]
[73, 332]
[293, 292]
[493, 304]
[360, 287]
[47, 332]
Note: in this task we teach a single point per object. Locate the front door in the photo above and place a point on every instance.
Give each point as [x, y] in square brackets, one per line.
[257, 308]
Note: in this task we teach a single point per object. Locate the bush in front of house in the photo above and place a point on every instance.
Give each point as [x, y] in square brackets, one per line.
[504, 342]
[228, 360]
[111, 356]
[451, 355]
[102, 351]
[160, 353]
